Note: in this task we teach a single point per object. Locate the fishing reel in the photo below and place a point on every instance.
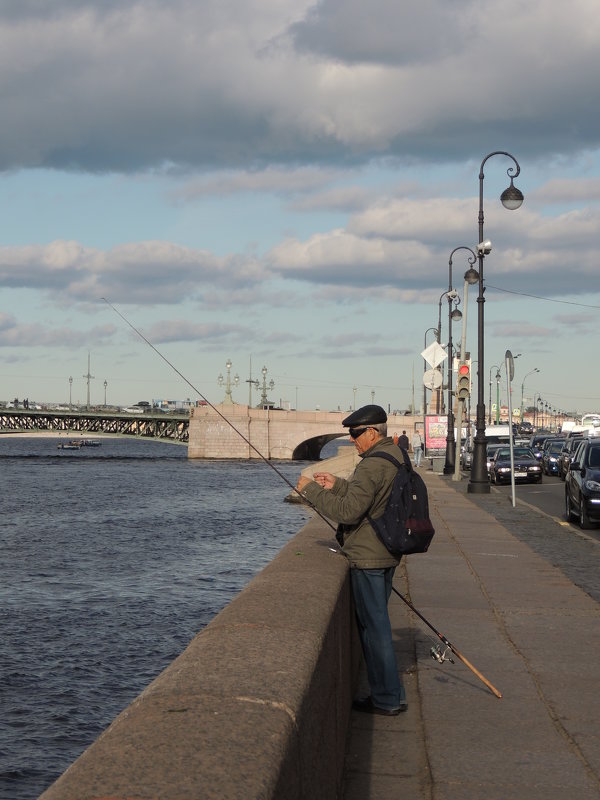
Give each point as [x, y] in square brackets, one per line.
[439, 656]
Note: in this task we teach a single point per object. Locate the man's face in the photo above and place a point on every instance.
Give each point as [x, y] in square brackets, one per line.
[364, 438]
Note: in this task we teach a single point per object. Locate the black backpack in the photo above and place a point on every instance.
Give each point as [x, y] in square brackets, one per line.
[404, 527]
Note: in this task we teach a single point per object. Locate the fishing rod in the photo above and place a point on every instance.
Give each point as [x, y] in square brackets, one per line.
[437, 655]
[214, 408]
[435, 652]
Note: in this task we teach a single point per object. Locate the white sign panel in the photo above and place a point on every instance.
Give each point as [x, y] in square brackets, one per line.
[434, 355]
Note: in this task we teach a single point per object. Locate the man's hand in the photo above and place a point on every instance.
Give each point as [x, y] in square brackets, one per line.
[302, 482]
[324, 479]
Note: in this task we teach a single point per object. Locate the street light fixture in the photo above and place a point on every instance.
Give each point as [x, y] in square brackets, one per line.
[523, 388]
[263, 396]
[511, 198]
[227, 382]
[435, 330]
[497, 368]
[454, 314]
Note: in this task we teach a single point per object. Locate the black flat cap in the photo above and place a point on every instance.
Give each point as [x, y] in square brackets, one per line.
[367, 415]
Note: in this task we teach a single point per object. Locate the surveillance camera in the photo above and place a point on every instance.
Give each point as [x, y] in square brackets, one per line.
[484, 248]
[452, 294]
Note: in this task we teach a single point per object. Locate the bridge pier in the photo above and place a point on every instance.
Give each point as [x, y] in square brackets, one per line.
[276, 434]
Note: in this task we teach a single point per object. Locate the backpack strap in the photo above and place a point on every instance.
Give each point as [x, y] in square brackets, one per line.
[392, 459]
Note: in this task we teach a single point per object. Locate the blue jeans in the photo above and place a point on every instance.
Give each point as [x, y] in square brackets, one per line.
[371, 589]
[418, 454]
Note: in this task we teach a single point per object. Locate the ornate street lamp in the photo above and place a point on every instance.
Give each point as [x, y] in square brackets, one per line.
[497, 368]
[105, 385]
[263, 397]
[456, 314]
[435, 330]
[453, 315]
[70, 392]
[511, 198]
[227, 382]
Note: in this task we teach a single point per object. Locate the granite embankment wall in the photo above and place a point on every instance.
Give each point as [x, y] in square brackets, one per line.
[257, 706]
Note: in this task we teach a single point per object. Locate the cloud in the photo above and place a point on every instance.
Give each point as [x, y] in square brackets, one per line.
[351, 31]
[279, 181]
[15, 334]
[521, 330]
[138, 273]
[128, 86]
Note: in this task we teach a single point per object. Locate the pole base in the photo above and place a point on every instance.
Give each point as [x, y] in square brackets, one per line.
[478, 488]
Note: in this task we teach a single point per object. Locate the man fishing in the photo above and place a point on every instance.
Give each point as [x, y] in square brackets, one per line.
[372, 566]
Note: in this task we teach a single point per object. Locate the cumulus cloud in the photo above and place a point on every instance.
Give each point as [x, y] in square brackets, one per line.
[140, 272]
[125, 86]
[16, 334]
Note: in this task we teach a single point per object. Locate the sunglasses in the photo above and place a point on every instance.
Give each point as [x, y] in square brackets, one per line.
[354, 433]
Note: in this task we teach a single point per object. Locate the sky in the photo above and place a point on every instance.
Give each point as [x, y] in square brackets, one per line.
[282, 184]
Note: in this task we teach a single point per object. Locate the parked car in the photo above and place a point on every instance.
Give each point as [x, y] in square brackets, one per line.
[490, 449]
[527, 467]
[466, 456]
[550, 455]
[536, 443]
[569, 447]
[582, 485]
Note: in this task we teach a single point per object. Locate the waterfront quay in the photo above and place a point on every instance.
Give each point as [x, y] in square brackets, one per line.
[259, 704]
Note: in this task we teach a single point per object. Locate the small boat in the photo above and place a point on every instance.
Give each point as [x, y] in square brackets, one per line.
[72, 445]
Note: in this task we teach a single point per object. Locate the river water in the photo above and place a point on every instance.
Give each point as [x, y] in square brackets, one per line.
[111, 559]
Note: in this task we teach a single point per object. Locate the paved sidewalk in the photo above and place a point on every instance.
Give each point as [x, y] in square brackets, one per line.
[531, 632]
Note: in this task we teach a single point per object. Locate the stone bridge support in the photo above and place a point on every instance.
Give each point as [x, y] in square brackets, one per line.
[276, 434]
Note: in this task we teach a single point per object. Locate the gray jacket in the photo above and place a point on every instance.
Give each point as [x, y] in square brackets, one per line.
[349, 502]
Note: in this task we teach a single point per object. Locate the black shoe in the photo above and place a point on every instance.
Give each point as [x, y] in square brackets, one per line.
[367, 707]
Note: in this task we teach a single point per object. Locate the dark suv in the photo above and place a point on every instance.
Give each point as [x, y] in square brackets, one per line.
[566, 455]
[582, 484]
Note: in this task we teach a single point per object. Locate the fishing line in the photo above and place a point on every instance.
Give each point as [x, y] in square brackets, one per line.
[435, 653]
[215, 409]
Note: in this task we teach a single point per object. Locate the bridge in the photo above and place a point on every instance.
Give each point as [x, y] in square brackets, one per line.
[210, 433]
[275, 433]
[158, 425]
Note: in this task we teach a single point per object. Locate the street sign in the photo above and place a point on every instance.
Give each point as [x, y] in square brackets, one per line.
[432, 379]
[434, 354]
[510, 362]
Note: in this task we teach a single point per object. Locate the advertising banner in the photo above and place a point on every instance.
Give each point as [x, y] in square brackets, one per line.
[436, 432]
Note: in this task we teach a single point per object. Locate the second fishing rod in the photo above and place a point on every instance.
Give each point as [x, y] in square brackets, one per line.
[435, 653]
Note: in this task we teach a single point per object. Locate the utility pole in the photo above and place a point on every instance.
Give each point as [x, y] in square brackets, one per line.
[89, 378]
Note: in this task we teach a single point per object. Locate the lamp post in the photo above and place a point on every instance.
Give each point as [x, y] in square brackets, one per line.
[435, 330]
[453, 297]
[523, 388]
[70, 392]
[105, 385]
[511, 198]
[227, 382]
[263, 397]
[471, 277]
[497, 368]
[453, 314]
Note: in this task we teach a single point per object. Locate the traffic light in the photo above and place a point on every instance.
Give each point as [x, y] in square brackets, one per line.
[463, 387]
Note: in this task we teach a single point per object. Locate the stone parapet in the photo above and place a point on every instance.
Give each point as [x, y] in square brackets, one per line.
[235, 431]
[257, 706]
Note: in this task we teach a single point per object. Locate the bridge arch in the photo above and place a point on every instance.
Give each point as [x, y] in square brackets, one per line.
[310, 449]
